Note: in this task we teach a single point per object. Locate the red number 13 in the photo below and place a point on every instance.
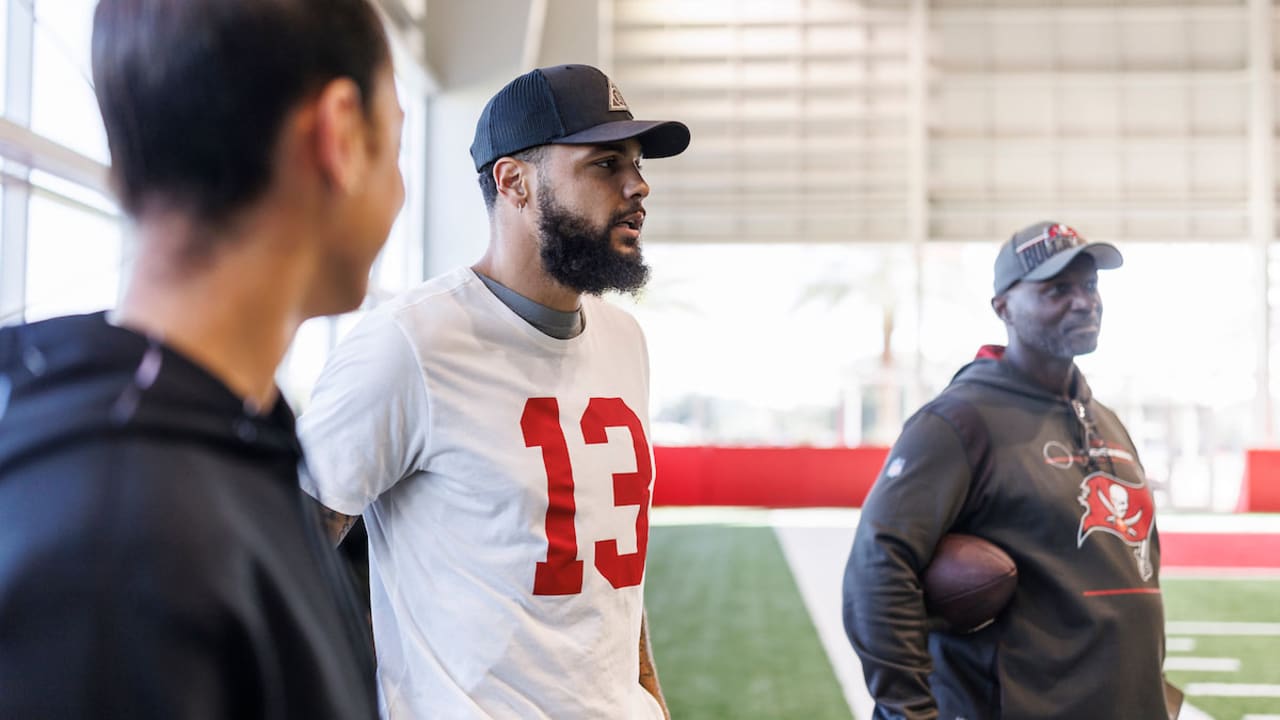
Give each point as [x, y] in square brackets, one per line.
[561, 573]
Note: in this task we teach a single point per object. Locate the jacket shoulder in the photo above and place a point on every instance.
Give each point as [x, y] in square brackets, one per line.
[958, 407]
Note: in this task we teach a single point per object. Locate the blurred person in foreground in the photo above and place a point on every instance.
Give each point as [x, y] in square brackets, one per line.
[157, 558]
[491, 425]
[1016, 450]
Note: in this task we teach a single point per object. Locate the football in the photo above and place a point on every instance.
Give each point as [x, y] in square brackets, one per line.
[968, 582]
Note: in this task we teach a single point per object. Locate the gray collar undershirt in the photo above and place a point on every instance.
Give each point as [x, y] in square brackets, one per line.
[557, 324]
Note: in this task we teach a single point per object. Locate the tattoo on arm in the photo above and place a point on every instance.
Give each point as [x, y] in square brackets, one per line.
[649, 673]
[337, 524]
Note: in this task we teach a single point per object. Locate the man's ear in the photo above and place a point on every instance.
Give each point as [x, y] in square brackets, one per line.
[514, 180]
[1000, 304]
[341, 135]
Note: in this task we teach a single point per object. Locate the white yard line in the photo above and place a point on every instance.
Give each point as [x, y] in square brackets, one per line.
[1202, 664]
[730, 516]
[1223, 628]
[1232, 690]
[817, 557]
[1179, 644]
[816, 517]
[1191, 712]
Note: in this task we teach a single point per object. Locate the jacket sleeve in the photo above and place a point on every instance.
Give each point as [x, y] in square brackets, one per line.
[83, 640]
[915, 500]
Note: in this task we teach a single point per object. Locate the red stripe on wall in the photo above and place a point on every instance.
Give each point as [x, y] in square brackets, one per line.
[841, 477]
[766, 477]
[789, 477]
[1241, 550]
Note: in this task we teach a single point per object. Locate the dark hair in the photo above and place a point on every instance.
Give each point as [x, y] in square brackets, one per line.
[489, 188]
[194, 93]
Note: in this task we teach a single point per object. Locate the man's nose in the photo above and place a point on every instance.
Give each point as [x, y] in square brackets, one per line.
[637, 187]
[1084, 300]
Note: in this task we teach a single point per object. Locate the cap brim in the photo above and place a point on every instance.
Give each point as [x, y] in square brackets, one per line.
[658, 138]
[1105, 257]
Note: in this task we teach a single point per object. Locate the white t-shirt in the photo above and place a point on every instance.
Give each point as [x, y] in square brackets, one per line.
[453, 425]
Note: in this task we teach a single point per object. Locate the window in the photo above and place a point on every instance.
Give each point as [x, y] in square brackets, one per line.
[74, 257]
[67, 247]
[63, 106]
[62, 239]
[4, 43]
[767, 344]
[799, 344]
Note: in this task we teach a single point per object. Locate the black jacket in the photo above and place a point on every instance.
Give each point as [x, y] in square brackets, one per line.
[1056, 483]
[156, 558]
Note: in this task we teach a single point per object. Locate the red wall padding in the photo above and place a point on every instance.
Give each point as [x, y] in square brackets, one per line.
[1260, 491]
[766, 477]
[1236, 550]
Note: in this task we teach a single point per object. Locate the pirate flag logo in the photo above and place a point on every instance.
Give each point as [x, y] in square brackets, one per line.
[1120, 508]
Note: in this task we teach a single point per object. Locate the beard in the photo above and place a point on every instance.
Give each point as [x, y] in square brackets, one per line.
[582, 257]
[1055, 342]
[1064, 347]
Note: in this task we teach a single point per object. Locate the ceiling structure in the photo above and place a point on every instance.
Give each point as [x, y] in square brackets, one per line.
[859, 120]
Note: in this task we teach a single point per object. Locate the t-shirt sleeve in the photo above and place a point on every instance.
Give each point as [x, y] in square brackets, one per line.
[914, 501]
[366, 427]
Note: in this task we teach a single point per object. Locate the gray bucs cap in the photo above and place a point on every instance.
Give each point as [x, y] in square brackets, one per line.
[1042, 250]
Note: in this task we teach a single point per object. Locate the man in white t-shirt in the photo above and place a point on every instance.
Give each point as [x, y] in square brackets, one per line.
[492, 424]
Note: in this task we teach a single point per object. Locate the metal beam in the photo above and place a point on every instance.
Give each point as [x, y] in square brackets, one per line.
[917, 178]
[40, 153]
[533, 31]
[19, 51]
[1262, 194]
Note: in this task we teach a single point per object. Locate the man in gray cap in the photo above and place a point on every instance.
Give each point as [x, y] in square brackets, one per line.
[492, 425]
[1016, 450]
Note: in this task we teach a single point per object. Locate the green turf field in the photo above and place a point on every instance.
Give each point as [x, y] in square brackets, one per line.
[730, 633]
[733, 639]
[1235, 601]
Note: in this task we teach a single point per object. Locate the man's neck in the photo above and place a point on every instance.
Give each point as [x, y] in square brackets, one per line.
[233, 312]
[1051, 373]
[513, 260]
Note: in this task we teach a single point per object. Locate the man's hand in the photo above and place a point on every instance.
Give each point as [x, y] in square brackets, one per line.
[649, 673]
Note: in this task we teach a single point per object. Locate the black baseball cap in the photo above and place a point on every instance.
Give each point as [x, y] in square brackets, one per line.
[568, 105]
[1040, 251]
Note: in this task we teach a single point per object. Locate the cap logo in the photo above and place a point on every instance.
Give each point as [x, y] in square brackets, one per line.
[1052, 241]
[616, 101]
